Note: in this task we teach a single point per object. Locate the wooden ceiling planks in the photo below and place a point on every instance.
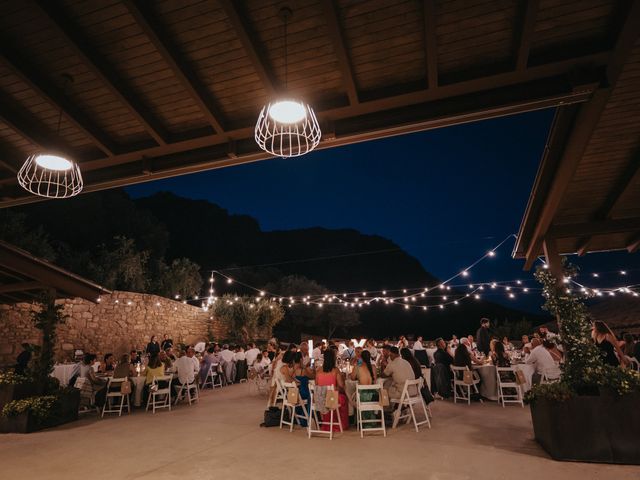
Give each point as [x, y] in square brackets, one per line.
[188, 76]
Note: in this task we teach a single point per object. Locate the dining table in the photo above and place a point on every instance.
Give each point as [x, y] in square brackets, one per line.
[64, 372]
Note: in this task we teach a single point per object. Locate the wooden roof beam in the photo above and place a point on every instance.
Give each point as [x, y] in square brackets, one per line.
[524, 32]
[629, 177]
[185, 74]
[605, 227]
[21, 287]
[250, 44]
[584, 125]
[634, 243]
[431, 42]
[81, 47]
[44, 88]
[338, 41]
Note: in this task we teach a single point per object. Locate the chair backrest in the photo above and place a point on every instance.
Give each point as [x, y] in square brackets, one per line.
[163, 378]
[635, 364]
[412, 387]
[458, 372]
[512, 373]
[114, 384]
[376, 387]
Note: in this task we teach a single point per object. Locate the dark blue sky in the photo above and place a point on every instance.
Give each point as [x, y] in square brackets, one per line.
[445, 196]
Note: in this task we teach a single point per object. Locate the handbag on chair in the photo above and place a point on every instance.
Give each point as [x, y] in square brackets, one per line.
[331, 400]
[467, 377]
[125, 387]
[293, 395]
[384, 397]
[520, 378]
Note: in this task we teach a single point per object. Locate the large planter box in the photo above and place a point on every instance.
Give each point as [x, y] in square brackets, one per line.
[18, 391]
[601, 428]
[27, 423]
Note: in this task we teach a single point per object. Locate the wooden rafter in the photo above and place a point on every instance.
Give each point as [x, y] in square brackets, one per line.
[629, 177]
[338, 41]
[182, 71]
[99, 67]
[431, 42]
[604, 227]
[249, 43]
[585, 124]
[44, 88]
[634, 243]
[524, 34]
[21, 287]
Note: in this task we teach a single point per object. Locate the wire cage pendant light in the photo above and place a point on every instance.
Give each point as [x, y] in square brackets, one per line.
[50, 176]
[287, 127]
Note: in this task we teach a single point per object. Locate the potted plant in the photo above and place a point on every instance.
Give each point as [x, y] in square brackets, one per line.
[593, 413]
[35, 400]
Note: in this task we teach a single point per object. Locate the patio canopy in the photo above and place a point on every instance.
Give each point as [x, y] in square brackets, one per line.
[166, 88]
[586, 197]
[23, 278]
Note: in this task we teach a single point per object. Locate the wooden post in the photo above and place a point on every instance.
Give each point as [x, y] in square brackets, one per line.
[553, 259]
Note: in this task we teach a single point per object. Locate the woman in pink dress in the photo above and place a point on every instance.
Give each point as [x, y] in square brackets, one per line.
[327, 375]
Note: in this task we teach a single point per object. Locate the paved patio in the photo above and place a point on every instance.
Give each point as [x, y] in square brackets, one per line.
[220, 437]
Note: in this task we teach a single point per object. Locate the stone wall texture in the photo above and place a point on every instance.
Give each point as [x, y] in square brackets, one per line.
[120, 322]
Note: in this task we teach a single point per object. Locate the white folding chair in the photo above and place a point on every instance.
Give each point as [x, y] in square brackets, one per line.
[550, 376]
[185, 391]
[409, 398]
[114, 394]
[213, 378]
[280, 393]
[370, 406]
[294, 416]
[509, 391]
[160, 393]
[634, 364]
[461, 389]
[315, 415]
[87, 396]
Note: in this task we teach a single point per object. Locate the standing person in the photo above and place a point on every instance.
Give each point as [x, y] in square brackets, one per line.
[483, 338]
[607, 343]
[23, 359]
[240, 361]
[166, 342]
[420, 353]
[153, 347]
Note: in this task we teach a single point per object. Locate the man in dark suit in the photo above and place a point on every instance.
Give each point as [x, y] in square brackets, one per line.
[483, 338]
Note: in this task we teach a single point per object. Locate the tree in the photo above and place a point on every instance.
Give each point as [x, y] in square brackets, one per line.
[46, 319]
[182, 278]
[120, 267]
[301, 317]
[14, 230]
[247, 318]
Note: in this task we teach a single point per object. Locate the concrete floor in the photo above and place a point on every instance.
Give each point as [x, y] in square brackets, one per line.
[220, 437]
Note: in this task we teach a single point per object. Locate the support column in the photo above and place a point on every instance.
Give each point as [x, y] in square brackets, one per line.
[553, 259]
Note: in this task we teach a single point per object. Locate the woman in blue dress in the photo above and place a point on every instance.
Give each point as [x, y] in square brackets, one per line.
[302, 375]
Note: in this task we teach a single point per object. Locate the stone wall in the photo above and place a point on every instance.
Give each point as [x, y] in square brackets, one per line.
[120, 322]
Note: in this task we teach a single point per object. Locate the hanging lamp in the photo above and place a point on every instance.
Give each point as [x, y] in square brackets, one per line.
[287, 127]
[51, 174]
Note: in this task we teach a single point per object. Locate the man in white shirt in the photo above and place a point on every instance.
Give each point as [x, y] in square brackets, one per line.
[417, 345]
[251, 354]
[262, 364]
[239, 356]
[227, 364]
[317, 352]
[304, 350]
[349, 353]
[187, 366]
[543, 362]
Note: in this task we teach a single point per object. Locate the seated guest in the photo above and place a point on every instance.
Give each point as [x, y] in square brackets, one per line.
[372, 349]
[507, 344]
[383, 358]
[98, 384]
[329, 375]
[187, 367]
[350, 352]
[553, 350]
[262, 362]
[607, 343]
[252, 353]
[631, 348]
[463, 358]
[363, 371]
[286, 372]
[108, 364]
[472, 342]
[124, 368]
[240, 361]
[134, 357]
[454, 342]
[402, 343]
[526, 345]
[205, 363]
[170, 355]
[317, 352]
[420, 353]
[23, 360]
[406, 354]
[155, 368]
[166, 361]
[398, 371]
[543, 362]
[441, 374]
[500, 357]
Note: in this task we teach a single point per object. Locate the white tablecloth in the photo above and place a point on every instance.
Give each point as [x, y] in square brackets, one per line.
[430, 352]
[489, 385]
[65, 371]
[138, 389]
